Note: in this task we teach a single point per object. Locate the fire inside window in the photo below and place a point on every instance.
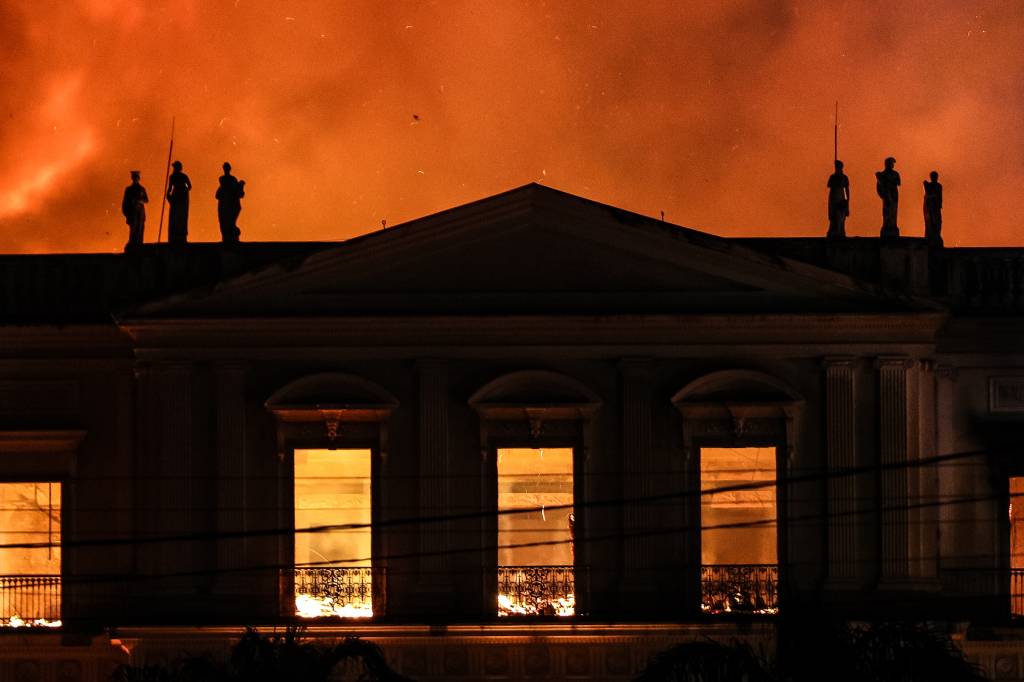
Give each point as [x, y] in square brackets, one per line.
[333, 573]
[535, 532]
[739, 536]
[30, 584]
[1017, 546]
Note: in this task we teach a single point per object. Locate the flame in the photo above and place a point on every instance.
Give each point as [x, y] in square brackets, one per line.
[560, 606]
[16, 621]
[310, 108]
[309, 606]
[58, 145]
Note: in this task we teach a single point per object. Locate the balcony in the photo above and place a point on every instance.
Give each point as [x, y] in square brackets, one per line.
[739, 588]
[30, 601]
[335, 592]
[1017, 592]
[536, 591]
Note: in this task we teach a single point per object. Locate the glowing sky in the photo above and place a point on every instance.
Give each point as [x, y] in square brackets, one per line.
[341, 114]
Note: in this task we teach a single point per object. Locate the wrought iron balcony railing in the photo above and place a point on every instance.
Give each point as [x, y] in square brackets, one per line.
[739, 588]
[27, 600]
[536, 591]
[1017, 592]
[337, 592]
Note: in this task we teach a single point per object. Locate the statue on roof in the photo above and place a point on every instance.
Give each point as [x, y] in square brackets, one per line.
[229, 205]
[838, 202]
[133, 207]
[178, 188]
[888, 187]
[933, 209]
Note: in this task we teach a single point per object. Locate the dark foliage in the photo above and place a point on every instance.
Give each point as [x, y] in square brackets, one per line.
[706, 661]
[815, 651]
[901, 652]
[278, 658]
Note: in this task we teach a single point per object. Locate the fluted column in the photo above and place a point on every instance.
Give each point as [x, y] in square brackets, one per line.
[638, 472]
[232, 499]
[840, 431]
[434, 563]
[894, 451]
[164, 470]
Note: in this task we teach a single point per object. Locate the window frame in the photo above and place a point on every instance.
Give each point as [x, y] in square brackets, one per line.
[580, 562]
[323, 412]
[532, 409]
[356, 441]
[735, 408]
[695, 546]
[52, 457]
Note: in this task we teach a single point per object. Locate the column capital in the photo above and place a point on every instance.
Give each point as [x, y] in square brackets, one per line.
[830, 361]
[894, 361]
[231, 366]
[636, 366]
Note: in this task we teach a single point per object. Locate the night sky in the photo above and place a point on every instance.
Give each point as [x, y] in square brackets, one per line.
[341, 114]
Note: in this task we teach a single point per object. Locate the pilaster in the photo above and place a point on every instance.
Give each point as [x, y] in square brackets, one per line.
[164, 470]
[894, 456]
[434, 562]
[232, 497]
[844, 552]
[638, 474]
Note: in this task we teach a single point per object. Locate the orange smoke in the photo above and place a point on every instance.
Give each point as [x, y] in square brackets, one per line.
[339, 115]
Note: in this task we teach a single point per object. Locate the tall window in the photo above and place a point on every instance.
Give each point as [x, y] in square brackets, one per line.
[535, 532]
[30, 585]
[739, 535]
[1017, 546]
[333, 511]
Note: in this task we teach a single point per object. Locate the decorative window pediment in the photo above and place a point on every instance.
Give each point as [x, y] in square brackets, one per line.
[739, 406]
[740, 392]
[536, 396]
[331, 399]
[53, 452]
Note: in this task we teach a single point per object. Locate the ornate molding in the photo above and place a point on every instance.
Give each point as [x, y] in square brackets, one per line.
[40, 441]
[334, 402]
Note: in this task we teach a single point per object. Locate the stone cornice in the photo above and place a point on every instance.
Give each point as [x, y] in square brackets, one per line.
[84, 340]
[40, 441]
[562, 330]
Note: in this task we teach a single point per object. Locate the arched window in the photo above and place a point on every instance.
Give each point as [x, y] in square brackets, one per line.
[739, 430]
[535, 431]
[332, 437]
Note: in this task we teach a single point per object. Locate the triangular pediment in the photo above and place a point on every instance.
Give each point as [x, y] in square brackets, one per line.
[532, 250]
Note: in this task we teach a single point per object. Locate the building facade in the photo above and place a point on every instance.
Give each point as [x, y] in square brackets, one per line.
[533, 437]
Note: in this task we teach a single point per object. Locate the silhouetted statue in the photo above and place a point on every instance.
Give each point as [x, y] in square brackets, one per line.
[888, 188]
[838, 202]
[133, 206]
[933, 209]
[178, 188]
[229, 204]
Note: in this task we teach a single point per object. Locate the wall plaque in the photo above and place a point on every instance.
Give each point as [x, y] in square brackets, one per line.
[1006, 395]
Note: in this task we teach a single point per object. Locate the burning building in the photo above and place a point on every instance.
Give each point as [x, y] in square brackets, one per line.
[529, 437]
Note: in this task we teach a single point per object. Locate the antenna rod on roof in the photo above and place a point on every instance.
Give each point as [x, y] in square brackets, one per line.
[167, 179]
[835, 135]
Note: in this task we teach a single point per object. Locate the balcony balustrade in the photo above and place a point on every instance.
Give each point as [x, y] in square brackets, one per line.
[740, 588]
[1017, 592]
[30, 600]
[337, 592]
[536, 591]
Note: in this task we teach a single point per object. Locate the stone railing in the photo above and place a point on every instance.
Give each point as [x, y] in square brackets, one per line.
[985, 280]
